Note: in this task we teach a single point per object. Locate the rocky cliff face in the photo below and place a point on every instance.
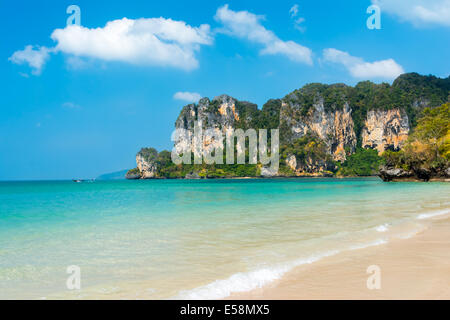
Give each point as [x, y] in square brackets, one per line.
[147, 165]
[219, 113]
[382, 130]
[385, 130]
[418, 174]
[378, 116]
[335, 128]
[147, 168]
[222, 114]
[310, 166]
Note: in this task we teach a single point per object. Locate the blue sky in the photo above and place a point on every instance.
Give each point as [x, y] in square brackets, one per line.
[81, 101]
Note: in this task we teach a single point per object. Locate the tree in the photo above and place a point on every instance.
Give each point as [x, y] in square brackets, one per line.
[429, 145]
[434, 124]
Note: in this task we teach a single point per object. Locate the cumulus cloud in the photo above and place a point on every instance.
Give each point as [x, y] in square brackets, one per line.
[35, 57]
[246, 25]
[358, 68]
[155, 41]
[187, 96]
[418, 12]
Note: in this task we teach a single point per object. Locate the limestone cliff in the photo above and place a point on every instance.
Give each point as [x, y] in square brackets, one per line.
[319, 125]
[310, 166]
[335, 128]
[388, 173]
[221, 114]
[146, 167]
[385, 130]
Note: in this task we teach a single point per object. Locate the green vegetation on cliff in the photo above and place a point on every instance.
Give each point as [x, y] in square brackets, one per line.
[419, 96]
[364, 162]
[133, 174]
[411, 92]
[334, 96]
[251, 117]
[428, 147]
[149, 154]
[311, 156]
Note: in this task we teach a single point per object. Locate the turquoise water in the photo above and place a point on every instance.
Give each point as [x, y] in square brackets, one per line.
[193, 239]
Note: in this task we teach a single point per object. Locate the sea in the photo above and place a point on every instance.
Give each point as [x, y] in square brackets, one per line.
[193, 239]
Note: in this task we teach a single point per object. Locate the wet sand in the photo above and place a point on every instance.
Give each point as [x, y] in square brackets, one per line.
[414, 268]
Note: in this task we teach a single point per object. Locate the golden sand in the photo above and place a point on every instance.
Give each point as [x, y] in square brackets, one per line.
[414, 268]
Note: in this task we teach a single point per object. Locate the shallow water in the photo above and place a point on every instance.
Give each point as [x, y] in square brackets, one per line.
[193, 239]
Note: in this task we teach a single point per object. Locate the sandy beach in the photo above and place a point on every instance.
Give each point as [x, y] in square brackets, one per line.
[414, 268]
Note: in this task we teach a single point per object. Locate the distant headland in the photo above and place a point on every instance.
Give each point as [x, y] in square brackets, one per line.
[399, 132]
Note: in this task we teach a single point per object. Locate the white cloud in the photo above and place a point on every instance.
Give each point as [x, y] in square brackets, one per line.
[293, 12]
[34, 57]
[418, 12]
[358, 68]
[155, 41]
[246, 25]
[187, 96]
[298, 24]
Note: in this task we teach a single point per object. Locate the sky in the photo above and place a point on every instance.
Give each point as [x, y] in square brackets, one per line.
[78, 101]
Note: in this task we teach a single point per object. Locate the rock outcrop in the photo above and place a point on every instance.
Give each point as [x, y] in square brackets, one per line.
[221, 114]
[133, 174]
[147, 167]
[417, 174]
[330, 121]
[310, 166]
[392, 174]
[385, 130]
[335, 128]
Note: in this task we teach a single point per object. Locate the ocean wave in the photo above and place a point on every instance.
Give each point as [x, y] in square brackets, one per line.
[247, 281]
[433, 214]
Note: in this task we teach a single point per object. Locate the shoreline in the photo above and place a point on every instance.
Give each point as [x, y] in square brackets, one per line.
[414, 268]
[406, 179]
[248, 241]
[419, 180]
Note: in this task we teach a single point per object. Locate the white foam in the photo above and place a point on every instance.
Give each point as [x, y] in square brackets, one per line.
[238, 282]
[433, 214]
[382, 227]
[247, 281]
[370, 244]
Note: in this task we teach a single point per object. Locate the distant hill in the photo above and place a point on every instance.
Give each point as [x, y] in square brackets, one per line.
[119, 175]
[324, 130]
